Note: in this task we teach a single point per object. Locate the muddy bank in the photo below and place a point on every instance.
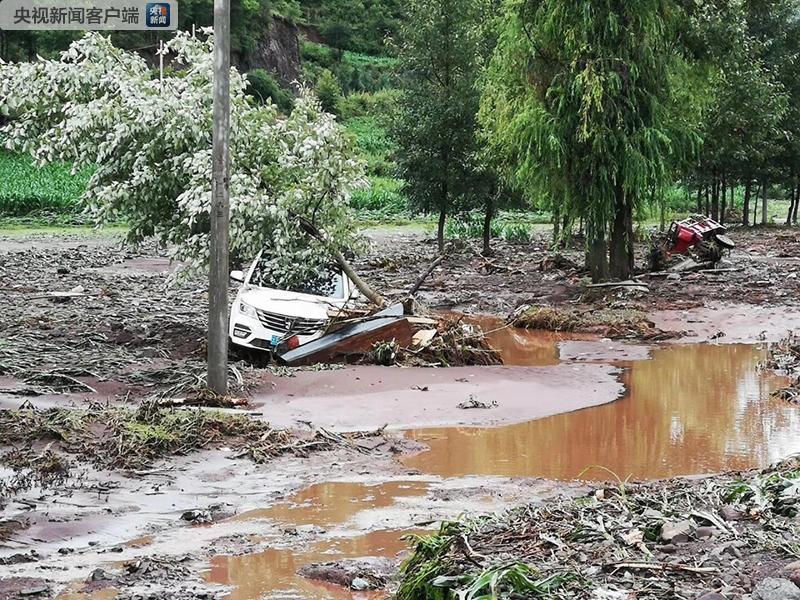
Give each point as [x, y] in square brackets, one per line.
[367, 397]
[766, 273]
[726, 323]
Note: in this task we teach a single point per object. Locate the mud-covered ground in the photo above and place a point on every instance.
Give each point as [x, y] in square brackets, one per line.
[766, 264]
[84, 322]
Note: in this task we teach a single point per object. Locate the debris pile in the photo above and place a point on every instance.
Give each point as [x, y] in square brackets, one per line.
[728, 535]
[393, 337]
[784, 357]
[131, 439]
[613, 323]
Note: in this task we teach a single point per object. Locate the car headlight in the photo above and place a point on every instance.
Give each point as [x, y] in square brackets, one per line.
[247, 310]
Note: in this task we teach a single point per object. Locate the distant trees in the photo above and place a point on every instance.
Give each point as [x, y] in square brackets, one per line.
[580, 101]
[437, 124]
[750, 125]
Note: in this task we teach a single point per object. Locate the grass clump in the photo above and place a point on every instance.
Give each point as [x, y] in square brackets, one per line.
[609, 322]
[126, 438]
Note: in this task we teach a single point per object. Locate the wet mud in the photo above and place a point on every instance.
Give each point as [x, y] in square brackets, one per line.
[561, 404]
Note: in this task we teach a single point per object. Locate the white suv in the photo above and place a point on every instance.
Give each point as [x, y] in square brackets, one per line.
[263, 317]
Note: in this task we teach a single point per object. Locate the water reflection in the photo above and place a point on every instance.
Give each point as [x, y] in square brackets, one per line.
[334, 502]
[691, 409]
[273, 573]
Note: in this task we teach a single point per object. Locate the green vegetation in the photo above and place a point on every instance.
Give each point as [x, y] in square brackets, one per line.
[263, 87]
[601, 118]
[26, 189]
[557, 551]
[125, 438]
[355, 72]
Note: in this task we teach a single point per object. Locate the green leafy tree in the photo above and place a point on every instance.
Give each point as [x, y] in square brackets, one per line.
[581, 101]
[437, 121]
[328, 91]
[263, 87]
[151, 144]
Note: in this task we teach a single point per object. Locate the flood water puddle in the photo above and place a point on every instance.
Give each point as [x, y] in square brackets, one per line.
[273, 572]
[689, 409]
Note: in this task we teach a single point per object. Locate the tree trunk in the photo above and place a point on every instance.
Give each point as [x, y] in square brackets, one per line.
[487, 224]
[621, 261]
[699, 198]
[440, 229]
[797, 201]
[755, 204]
[309, 228]
[748, 189]
[724, 201]
[708, 204]
[596, 250]
[556, 227]
[764, 202]
[792, 201]
[715, 199]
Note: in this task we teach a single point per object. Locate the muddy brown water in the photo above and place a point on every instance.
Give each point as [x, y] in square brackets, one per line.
[690, 409]
[687, 409]
[273, 572]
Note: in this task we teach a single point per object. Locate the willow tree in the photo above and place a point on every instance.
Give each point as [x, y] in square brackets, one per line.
[581, 101]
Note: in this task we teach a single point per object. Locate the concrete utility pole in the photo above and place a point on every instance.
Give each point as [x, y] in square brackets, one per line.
[220, 204]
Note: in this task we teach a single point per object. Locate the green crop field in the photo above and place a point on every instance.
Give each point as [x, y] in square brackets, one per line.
[26, 188]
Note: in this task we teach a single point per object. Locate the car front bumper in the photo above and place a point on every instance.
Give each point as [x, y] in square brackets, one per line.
[249, 332]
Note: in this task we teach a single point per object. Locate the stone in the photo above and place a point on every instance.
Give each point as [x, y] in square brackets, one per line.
[711, 596]
[773, 588]
[98, 575]
[705, 532]
[792, 572]
[35, 591]
[674, 277]
[677, 532]
[667, 548]
[359, 584]
[731, 513]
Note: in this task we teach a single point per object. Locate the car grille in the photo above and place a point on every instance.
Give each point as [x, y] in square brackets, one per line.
[282, 323]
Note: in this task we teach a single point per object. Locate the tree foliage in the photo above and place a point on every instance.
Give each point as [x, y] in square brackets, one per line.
[580, 101]
[151, 142]
[436, 127]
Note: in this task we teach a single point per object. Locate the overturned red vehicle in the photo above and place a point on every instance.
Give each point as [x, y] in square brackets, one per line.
[700, 237]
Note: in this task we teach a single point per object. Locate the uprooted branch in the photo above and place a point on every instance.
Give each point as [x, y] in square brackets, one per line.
[309, 228]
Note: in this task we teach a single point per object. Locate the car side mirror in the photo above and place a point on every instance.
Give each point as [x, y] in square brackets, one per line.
[237, 276]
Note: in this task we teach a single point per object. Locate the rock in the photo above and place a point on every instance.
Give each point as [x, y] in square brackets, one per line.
[98, 575]
[368, 573]
[359, 584]
[711, 596]
[196, 516]
[705, 532]
[667, 548]
[674, 277]
[34, 591]
[731, 513]
[792, 572]
[773, 588]
[677, 532]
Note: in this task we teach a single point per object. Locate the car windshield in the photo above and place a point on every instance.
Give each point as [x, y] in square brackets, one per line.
[328, 282]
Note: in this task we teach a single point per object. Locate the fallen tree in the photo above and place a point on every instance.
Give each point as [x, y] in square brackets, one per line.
[149, 143]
